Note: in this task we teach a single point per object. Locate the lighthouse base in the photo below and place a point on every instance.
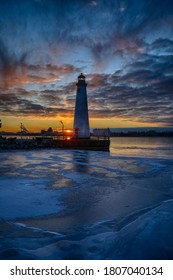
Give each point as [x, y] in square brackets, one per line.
[87, 144]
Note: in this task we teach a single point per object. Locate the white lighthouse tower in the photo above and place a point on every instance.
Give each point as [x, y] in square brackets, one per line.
[81, 121]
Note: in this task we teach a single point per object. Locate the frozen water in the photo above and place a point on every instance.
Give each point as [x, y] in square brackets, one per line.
[65, 204]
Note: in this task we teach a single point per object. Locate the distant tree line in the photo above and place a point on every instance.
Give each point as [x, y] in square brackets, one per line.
[149, 133]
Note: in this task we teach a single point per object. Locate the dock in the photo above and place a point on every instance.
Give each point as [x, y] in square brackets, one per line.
[24, 143]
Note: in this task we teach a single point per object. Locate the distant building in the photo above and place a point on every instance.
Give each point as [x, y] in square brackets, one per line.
[81, 120]
[102, 132]
[49, 131]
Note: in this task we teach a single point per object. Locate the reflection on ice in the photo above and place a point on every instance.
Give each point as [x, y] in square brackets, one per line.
[62, 183]
[81, 161]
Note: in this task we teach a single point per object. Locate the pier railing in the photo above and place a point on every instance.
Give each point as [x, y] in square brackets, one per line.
[66, 134]
[66, 140]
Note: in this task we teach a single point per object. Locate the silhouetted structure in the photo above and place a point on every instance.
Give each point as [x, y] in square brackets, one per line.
[81, 120]
[149, 133]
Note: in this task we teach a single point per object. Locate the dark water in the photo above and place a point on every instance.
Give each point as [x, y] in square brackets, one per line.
[142, 146]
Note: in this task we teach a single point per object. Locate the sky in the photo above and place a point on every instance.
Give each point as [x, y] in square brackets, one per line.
[123, 47]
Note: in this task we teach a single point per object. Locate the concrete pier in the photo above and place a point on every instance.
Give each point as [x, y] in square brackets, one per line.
[50, 143]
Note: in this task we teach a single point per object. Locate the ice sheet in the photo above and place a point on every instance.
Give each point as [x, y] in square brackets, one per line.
[85, 205]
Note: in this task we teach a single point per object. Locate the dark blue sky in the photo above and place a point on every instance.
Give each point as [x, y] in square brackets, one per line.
[125, 49]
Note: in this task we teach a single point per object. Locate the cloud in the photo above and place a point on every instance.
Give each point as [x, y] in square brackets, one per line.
[65, 68]
[126, 48]
[121, 96]
[15, 71]
[42, 105]
[10, 67]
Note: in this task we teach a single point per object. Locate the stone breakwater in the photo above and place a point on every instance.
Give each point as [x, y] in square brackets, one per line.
[50, 143]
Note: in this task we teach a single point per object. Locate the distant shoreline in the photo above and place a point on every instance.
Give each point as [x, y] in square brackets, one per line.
[142, 134]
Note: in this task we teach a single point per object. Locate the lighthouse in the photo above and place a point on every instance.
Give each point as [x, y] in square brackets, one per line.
[81, 120]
